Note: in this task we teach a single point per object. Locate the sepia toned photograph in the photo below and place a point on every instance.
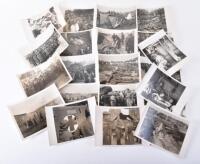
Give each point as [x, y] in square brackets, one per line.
[151, 20]
[164, 130]
[160, 50]
[119, 126]
[78, 20]
[45, 46]
[80, 43]
[116, 18]
[81, 68]
[119, 69]
[71, 93]
[116, 42]
[118, 95]
[71, 121]
[39, 23]
[163, 90]
[40, 77]
[29, 114]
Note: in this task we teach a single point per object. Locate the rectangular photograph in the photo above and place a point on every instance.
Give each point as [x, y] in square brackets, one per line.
[29, 114]
[118, 95]
[50, 42]
[80, 43]
[163, 90]
[116, 41]
[163, 52]
[151, 19]
[78, 19]
[76, 92]
[40, 77]
[116, 126]
[36, 25]
[116, 18]
[81, 68]
[119, 69]
[71, 121]
[164, 130]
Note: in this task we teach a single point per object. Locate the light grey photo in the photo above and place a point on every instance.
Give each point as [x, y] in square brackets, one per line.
[163, 90]
[119, 127]
[72, 121]
[80, 43]
[114, 96]
[114, 19]
[78, 20]
[163, 130]
[116, 42]
[44, 75]
[81, 68]
[151, 20]
[118, 69]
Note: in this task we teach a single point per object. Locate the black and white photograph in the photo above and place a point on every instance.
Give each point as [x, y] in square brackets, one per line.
[116, 126]
[118, 95]
[45, 46]
[116, 41]
[151, 19]
[119, 69]
[163, 52]
[40, 77]
[78, 19]
[72, 121]
[144, 35]
[163, 90]
[36, 25]
[80, 43]
[29, 114]
[116, 18]
[164, 130]
[71, 92]
[81, 68]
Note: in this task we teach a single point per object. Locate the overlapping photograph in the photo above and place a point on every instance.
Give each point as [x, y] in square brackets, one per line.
[163, 52]
[164, 130]
[81, 68]
[40, 77]
[71, 121]
[36, 25]
[116, 41]
[50, 42]
[116, 126]
[151, 19]
[29, 114]
[80, 43]
[163, 90]
[116, 18]
[119, 69]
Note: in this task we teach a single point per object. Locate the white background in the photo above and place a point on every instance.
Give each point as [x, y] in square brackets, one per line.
[36, 150]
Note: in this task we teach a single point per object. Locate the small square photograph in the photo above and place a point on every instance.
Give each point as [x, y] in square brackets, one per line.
[118, 95]
[78, 19]
[39, 23]
[163, 90]
[71, 92]
[50, 42]
[40, 77]
[164, 130]
[29, 114]
[116, 41]
[119, 69]
[81, 68]
[80, 43]
[116, 18]
[71, 121]
[163, 52]
[151, 19]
